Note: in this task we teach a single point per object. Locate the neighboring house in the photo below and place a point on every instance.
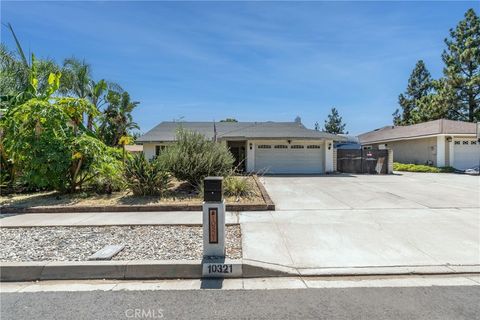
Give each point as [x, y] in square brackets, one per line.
[133, 148]
[439, 143]
[272, 147]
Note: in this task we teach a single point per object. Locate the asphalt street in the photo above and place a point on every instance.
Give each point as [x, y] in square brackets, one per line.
[445, 302]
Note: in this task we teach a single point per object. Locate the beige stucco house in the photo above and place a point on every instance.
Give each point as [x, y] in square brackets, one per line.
[439, 143]
[270, 147]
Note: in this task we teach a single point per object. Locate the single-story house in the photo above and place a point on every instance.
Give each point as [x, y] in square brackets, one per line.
[439, 143]
[271, 147]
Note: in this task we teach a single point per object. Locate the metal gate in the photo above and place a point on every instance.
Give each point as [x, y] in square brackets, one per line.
[362, 161]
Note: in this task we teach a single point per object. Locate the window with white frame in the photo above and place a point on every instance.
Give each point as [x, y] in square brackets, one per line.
[313, 146]
[159, 149]
[264, 146]
[280, 146]
[296, 146]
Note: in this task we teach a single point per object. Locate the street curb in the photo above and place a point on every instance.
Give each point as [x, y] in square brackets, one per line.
[130, 208]
[138, 269]
[192, 269]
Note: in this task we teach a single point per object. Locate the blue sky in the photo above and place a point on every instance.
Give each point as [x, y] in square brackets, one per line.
[254, 61]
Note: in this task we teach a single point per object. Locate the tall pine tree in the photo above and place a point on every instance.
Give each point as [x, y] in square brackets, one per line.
[419, 87]
[334, 123]
[461, 84]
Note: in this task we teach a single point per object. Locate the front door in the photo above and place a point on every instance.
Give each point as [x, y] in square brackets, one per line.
[237, 149]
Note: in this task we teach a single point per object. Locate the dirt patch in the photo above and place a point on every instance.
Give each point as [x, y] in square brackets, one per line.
[179, 194]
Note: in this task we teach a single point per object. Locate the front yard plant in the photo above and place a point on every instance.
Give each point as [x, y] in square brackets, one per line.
[420, 168]
[238, 186]
[193, 157]
[146, 178]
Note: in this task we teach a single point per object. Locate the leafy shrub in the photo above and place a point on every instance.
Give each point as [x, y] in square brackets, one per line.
[238, 187]
[193, 157]
[146, 178]
[420, 168]
[109, 172]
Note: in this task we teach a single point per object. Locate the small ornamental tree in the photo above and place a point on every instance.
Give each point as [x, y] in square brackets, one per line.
[334, 123]
[193, 157]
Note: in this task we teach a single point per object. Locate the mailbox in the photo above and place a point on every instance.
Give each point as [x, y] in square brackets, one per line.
[213, 189]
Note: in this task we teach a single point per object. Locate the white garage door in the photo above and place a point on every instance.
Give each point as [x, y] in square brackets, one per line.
[284, 158]
[466, 153]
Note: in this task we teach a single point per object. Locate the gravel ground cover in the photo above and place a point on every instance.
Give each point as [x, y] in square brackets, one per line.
[141, 242]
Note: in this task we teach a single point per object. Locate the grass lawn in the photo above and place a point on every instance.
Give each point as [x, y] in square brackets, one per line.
[179, 193]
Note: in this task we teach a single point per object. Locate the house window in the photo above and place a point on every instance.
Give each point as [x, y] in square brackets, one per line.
[159, 149]
[280, 146]
[367, 148]
[264, 146]
[296, 146]
[464, 142]
[473, 142]
[457, 142]
[313, 146]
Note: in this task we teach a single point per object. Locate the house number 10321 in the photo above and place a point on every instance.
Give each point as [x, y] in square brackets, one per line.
[220, 268]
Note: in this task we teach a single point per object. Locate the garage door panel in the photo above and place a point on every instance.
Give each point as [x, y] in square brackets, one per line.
[466, 153]
[289, 160]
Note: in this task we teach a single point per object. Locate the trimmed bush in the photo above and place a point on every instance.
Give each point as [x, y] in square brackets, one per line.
[193, 157]
[420, 168]
[146, 178]
[238, 187]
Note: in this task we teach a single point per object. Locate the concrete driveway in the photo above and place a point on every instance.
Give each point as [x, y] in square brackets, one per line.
[426, 221]
[402, 191]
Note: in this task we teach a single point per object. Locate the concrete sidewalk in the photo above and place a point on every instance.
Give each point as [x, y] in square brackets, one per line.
[82, 219]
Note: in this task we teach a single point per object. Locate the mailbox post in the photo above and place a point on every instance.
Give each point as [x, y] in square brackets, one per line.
[213, 218]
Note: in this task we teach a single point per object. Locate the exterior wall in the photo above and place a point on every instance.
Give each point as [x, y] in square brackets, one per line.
[334, 160]
[416, 151]
[390, 161]
[328, 156]
[250, 167]
[441, 151]
[149, 150]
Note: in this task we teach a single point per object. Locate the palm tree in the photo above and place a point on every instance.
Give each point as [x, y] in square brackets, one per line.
[16, 72]
[117, 120]
[77, 81]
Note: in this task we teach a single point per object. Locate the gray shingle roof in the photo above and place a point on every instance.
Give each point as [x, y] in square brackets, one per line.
[166, 131]
[441, 126]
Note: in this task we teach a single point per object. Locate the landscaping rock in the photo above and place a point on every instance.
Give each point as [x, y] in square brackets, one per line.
[141, 242]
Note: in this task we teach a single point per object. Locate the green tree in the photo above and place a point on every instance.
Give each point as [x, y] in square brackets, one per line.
[229, 120]
[117, 120]
[334, 123]
[419, 86]
[47, 144]
[461, 92]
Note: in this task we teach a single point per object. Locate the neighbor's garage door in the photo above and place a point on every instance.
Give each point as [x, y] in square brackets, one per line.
[466, 153]
[284, 158]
